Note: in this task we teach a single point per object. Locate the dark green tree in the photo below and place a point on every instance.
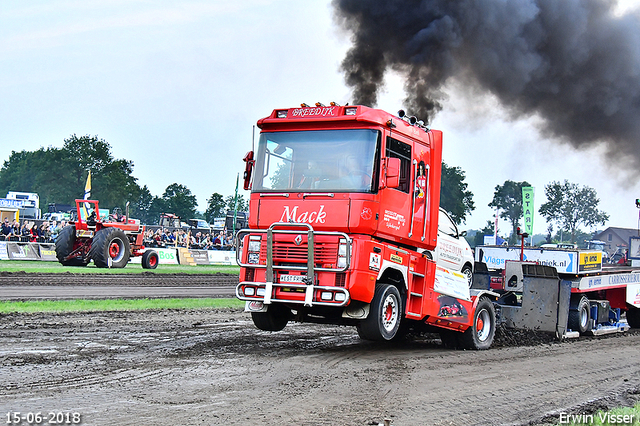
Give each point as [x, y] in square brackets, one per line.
[141, 207]
[571, 206]
[215, 207]
[179, 200]
[59, 174]
[508, 199]
[455, 198]
[243, 205]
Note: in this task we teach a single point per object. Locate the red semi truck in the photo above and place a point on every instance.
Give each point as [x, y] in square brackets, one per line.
[344, 212]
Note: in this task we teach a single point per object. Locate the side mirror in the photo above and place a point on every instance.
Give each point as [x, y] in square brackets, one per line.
[248, 169]
[392, 178]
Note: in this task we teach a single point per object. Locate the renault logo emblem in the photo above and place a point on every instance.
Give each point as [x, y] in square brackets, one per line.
[298, 240]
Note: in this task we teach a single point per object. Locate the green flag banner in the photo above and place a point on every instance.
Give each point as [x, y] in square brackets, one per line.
[527, 208]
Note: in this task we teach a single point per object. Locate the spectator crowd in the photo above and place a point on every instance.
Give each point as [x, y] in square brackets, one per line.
[182, 238]
[29, 231]
[47, 232]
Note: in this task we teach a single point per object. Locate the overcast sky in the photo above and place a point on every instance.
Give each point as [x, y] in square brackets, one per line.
[176, 87]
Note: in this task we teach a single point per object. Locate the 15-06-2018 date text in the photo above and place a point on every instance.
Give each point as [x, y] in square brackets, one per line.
[43, 418]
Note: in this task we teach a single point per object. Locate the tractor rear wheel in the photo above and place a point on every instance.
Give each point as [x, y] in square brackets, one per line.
[150, 259]
[64, 246]
[110, 248]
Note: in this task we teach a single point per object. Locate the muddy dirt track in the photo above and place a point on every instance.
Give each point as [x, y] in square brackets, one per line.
[212, 367]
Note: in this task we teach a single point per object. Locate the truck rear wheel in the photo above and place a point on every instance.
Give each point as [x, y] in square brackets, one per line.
[633, 317]
[110, 248]
[64, 246]
[275, 319]
[385, 315]
[480, 335]
[150, 259]
[579, 315]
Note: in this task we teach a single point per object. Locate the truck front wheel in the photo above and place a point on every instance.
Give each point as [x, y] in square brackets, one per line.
[275, 319]
[385, 315]
[480, 335]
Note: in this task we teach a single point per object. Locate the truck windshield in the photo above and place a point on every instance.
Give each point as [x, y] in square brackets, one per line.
[316, 161]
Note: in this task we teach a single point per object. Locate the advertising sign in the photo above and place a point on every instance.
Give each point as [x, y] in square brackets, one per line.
[565, 262]
[3, 251]
[221, 257]
[451, 283]
[527, 209]
[200, 256]
[634, 248]
[165, 256]
[23, 251]
[633, 295]
[47, 252]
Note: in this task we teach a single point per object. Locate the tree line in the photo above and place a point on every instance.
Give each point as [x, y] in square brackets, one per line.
[59, 175]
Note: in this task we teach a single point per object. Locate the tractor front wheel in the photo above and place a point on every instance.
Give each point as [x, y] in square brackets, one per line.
[110, 248]
[150, 259]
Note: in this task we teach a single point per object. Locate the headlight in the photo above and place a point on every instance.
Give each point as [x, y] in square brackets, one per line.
[254, 246]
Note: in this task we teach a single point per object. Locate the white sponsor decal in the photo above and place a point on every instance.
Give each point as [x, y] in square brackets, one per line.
[289, 215]
[393, 220]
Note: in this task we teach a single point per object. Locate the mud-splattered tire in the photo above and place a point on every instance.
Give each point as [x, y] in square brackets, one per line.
[150, 259]
[579, 315]
[64, 246]
[275, 319]
[385, 315]
[633, 317]
[480, 335]
[110, 248]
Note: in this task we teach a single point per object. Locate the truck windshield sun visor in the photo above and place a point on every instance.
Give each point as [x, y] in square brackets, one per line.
[317, 161]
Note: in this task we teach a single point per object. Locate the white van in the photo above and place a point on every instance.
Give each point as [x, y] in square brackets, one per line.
[453, 251]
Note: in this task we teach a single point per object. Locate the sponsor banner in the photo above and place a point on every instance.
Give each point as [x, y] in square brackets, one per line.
[527, 209]
[23, 251]
[200, 257]
[3, 251]
[633, 295]
[165, 256]
[451, 284]
[221, 257]
[565, 262]
[47, 252]
[609, 280]
[590, 261]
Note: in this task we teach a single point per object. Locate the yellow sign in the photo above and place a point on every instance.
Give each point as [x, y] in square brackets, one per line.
[590, 261]
[396, 258]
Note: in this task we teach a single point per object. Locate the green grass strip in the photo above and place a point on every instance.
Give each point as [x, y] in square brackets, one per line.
[54, 267]
[87, 305]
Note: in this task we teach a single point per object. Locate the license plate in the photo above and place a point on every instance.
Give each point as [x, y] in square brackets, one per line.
[84, 233]
[292, 278]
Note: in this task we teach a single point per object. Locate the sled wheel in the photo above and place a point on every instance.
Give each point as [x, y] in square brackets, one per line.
[480, 335]
[385, 315]
[633, 317]
[450, 339]
[468, 273]
[579, 315]
[110, 248]
[275, 319]
[64, 246]
[150, 259]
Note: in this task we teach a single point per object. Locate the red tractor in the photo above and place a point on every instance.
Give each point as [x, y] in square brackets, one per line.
[109, 239]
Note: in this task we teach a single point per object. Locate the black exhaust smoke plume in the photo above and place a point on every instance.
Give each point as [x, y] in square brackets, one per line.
[571, 62]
